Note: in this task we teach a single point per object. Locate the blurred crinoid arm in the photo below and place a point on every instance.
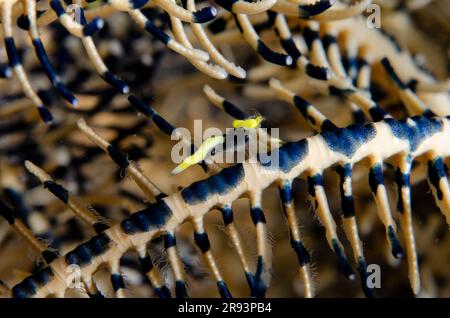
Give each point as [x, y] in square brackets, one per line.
[321, 10]
[30, 8]
[411, 101]
[300, 60]
[47, 253]
[80, 209]
[148, 187]
[5, 291]
[15, 63]
[84, 30]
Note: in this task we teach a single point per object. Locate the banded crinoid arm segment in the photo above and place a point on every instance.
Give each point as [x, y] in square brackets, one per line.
[224, 104]
[169, 238]
[145, 23]
[317, 192]
[411, 101]
[315, 153]
[263, 272]
[43, 250]
[363, 79]
[356, 56]
[438, 87]
[376, 174]
[305, 10]
[16, 65]
[152, 273]
[334, 80]
[261, 278]
[79, 209]
[31, 217]
[317, 53]
[177, 266]
[41, 276]
[438, 180]
[358, 99]
[97, 223]
[252, 38]
[304, 257]
[108, 7]
[200, 235]
[402, 180]
[212, 70]
[168, 129]
[76, 28]
[378, 188]
[350, 54]
[84, 31]
[30, 7]
[151, 191]
[5, 69]
[415, 105]
[220, 23]
[350, 224]
[316, 187]
[201, 16]
[287, 42]
[243, 7]
[381, 44]
[321, 10]
[202, 241]
[148, 187]
[209, 47]
[101, 11]
[344, 12]
[331, 47]
[240, 116]
[318, 121]
[336, 84]
[236, 240]
[315, 118]
[117, 280]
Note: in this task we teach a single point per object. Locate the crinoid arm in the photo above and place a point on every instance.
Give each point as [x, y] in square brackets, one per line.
[185, 138]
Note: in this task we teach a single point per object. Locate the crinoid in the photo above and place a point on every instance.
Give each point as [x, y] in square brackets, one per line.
[372, 115]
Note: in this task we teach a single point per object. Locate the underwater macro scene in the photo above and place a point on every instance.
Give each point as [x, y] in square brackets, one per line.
[226, 148]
